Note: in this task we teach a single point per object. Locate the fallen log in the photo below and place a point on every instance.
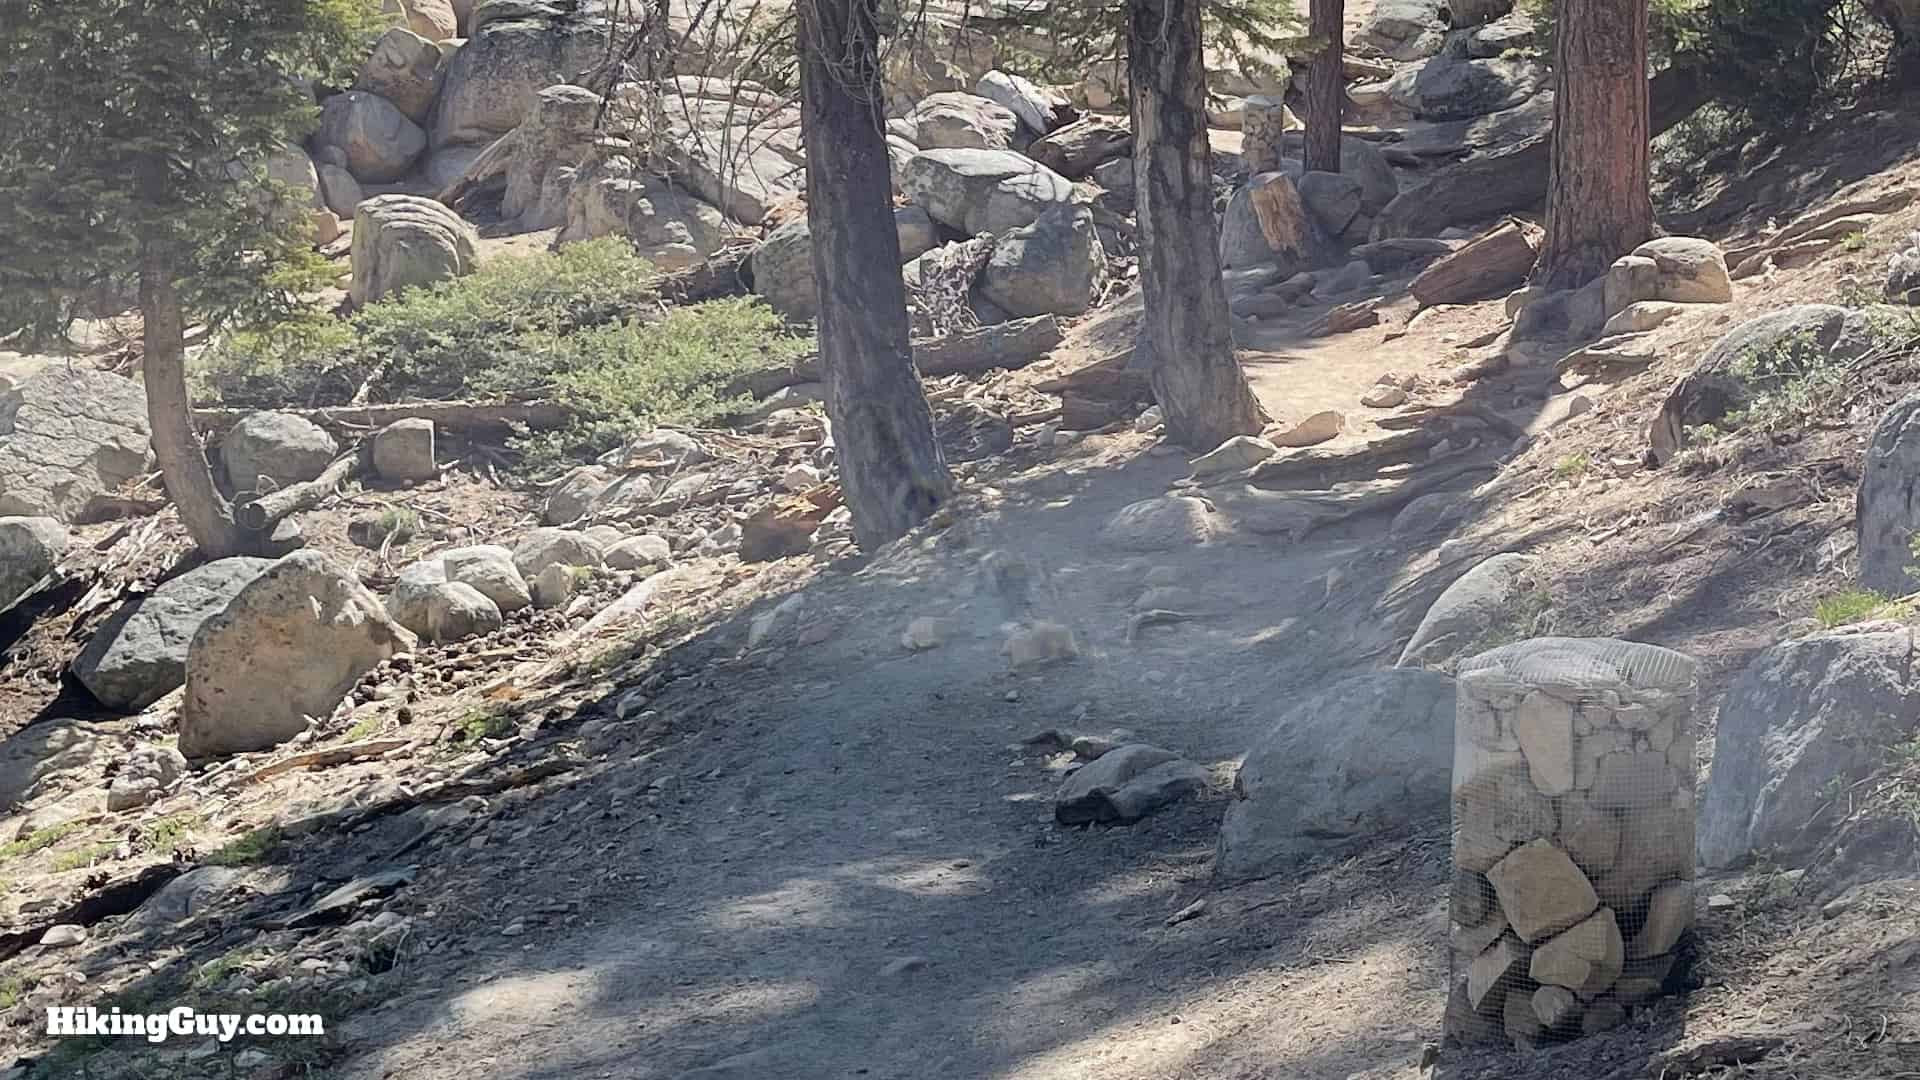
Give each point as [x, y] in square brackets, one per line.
[1012, 344]
[262, 511]
[719, 276]
[1009, 345]
[467, 416]
[1493, 265]
[1515, 177]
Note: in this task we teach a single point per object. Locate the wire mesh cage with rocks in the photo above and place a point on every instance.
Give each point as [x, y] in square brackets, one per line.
[1573, 836]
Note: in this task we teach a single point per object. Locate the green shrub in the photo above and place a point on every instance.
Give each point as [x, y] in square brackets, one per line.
[582, 326]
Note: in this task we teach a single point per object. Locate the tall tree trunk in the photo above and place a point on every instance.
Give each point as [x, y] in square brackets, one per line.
[1186, 334]
[1326, 85]
[183, 461]
[1598, 208]
[891, 465]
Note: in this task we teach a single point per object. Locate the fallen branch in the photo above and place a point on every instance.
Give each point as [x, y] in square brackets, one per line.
[467, 416]
[260, 512]
[1010, 345]
[337, 755]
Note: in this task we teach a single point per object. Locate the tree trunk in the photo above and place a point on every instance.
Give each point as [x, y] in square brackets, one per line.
[1326, 85]
[1598, 208]
[183, 461]
[1186, 335]
[891, 464]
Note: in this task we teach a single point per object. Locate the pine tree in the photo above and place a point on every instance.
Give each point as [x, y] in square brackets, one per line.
[133, 149]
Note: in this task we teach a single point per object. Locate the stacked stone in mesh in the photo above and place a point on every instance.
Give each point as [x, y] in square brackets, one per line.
[1573, 810]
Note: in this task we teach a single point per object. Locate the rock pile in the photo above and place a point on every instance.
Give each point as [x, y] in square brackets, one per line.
[1573, 807]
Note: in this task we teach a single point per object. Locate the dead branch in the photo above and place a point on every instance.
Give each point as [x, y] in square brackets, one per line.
[262, 511]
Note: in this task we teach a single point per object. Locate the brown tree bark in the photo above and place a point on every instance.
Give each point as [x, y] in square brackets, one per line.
[891, 465]
[1326, 85]
[183, 461]
[1186, 337]
[1598, 208]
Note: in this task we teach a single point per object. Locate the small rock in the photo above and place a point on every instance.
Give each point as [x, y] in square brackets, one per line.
[1149, 421]
[800, 478]
[1669, 914]
[1721, 902]
[61, 936]
[639, 553]
[902, 965]
[923, 633]
[1555, 1005]
[1383, 396]
[457, 611]
[1314, 430]
[1041, 643]
[1125, 785]
[403, 452]
[1236, 454]
[554, 587]
[1541, 890]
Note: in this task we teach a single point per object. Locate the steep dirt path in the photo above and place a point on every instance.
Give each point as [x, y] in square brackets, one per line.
[849, 866]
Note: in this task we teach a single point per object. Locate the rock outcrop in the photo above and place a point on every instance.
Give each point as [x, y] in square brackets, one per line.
[1369, 757]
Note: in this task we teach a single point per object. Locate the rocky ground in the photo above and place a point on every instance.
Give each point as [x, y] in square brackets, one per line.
[648, 773]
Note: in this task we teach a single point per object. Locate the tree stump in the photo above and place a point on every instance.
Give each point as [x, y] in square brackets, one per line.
[1266, 118]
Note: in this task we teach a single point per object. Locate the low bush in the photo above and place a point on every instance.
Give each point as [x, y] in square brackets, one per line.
[583, 326]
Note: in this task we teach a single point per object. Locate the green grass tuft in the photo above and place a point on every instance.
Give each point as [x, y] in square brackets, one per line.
[1853, 606]
[253, 848]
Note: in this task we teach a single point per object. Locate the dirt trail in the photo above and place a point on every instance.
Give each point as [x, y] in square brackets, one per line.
[853, 869]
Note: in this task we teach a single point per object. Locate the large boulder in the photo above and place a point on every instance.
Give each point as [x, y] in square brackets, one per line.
[557, 134]
[1405, 29]
[29, 548]
[293, 167]
[1681, 269]
[1806, 719]
[1359, 159]
[1445, 88]
[1036, 108]
[1368, 757]
[489, 569]
[1758, 353]
[405, 69]
[434, 20]
[1472, 608]
[139, 655]
[546, 547]
[489, 85]
[69, 438]
[669, 226]
[380, 143]
[957, 120]
[1887, 504]
[279, 448]
[286, 651]
[982, 191]
[734, 144]
[1054, 266]
[1077, 149]
[783, 263]
[404, 241]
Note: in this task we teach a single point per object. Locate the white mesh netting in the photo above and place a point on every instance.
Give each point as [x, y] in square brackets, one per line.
[1573, 836]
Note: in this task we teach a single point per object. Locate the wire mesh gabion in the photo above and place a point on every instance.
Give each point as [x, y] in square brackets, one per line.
[1573, 836]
